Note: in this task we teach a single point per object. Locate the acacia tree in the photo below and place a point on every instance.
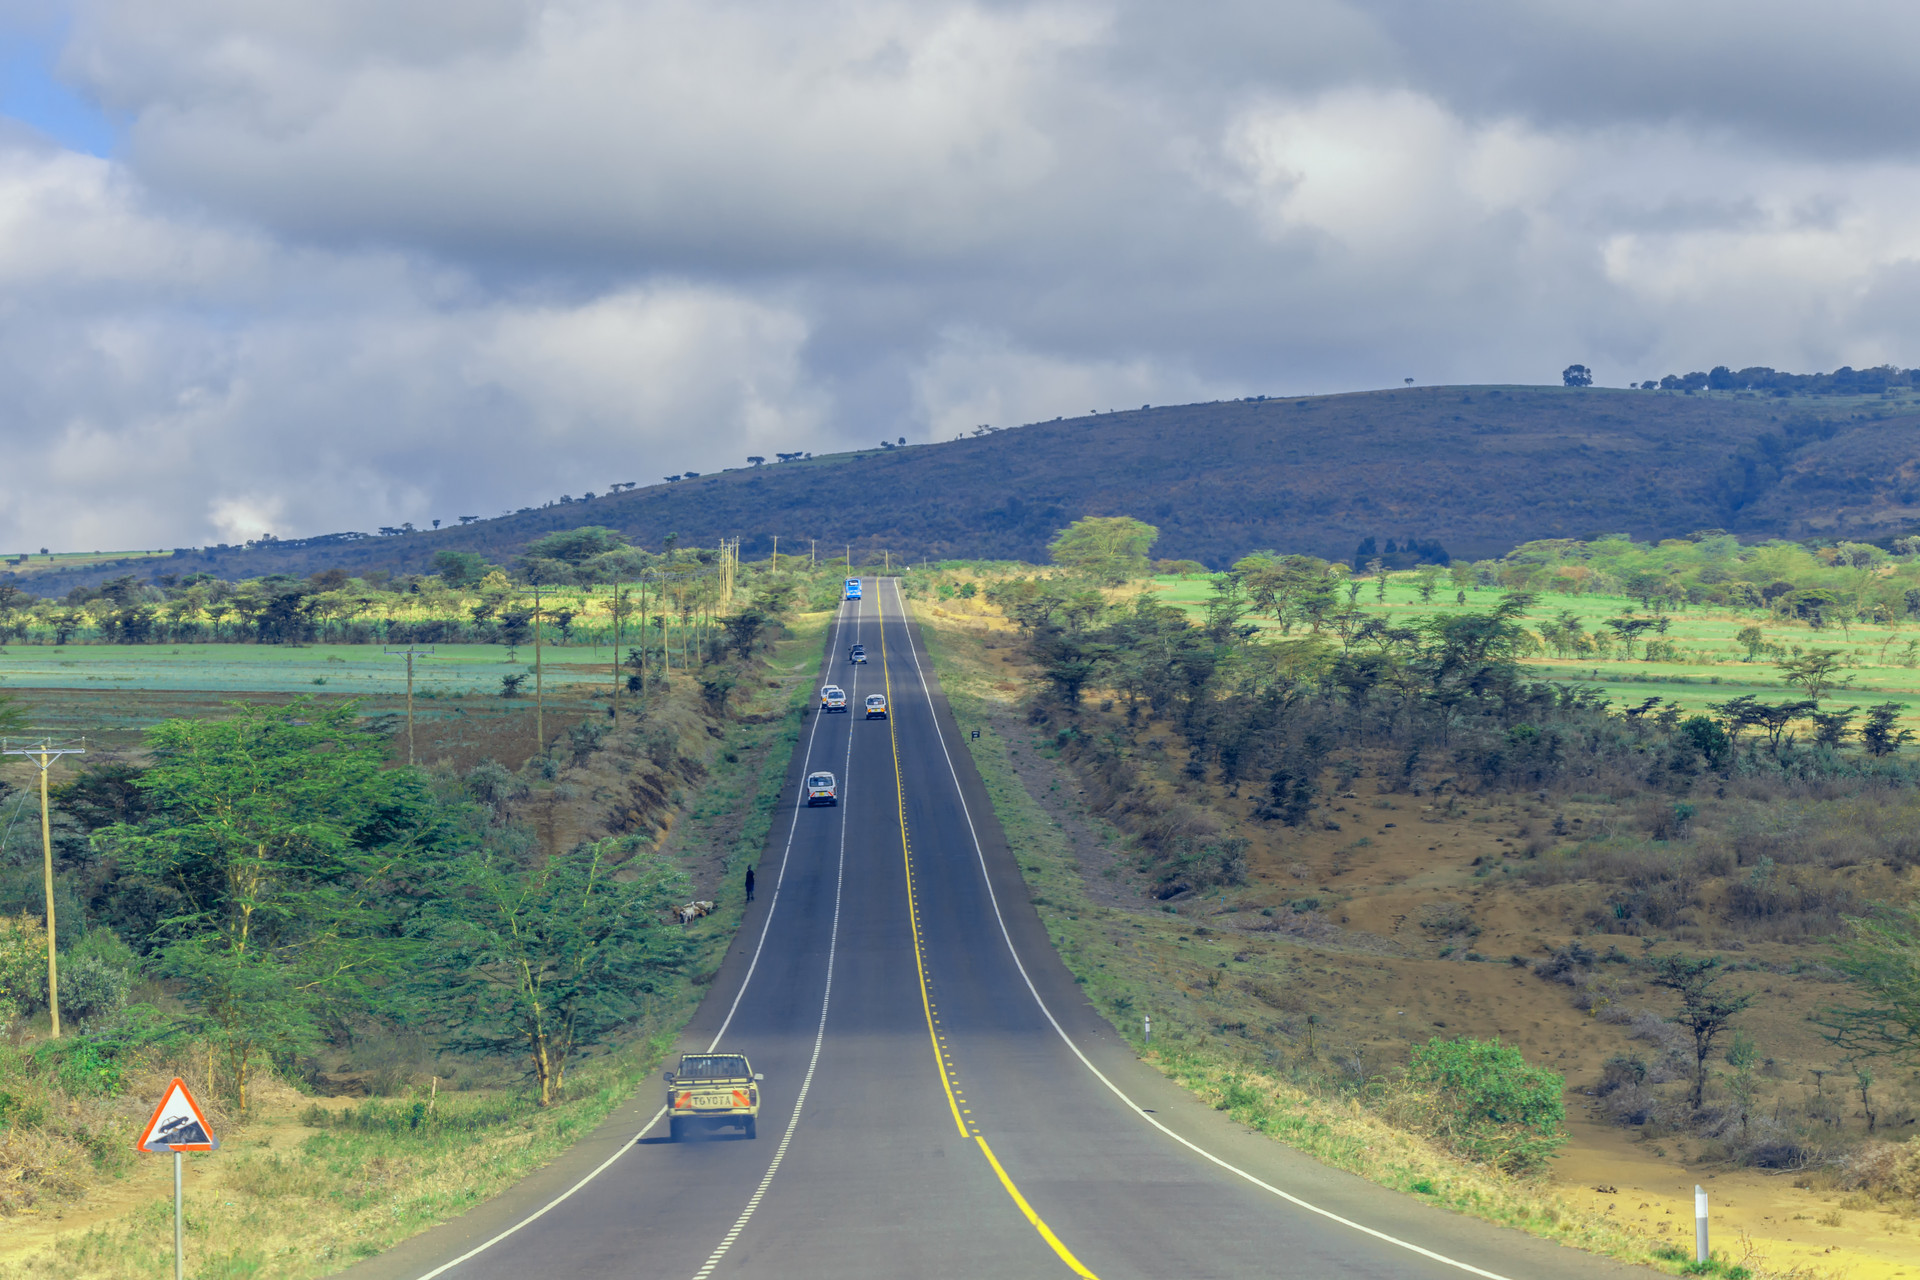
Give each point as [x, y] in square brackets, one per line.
[1705, 1009]
[542, 960]
[1816, 671]
[276, 825]
[1112, 549]
[1881, 953]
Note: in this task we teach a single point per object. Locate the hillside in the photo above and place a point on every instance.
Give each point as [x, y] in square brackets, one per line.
[1477, 469]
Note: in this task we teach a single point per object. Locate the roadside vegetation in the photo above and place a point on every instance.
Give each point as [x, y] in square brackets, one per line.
[397, 990]
[1350, 840]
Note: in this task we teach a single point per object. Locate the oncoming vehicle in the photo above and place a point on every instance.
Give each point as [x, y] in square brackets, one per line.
[857, 654]
[821, 789]
[833, 698]
[853, 588]
[876, 706]
[711, 1089]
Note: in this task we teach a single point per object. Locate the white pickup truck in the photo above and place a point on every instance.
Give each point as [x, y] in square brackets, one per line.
[712, 1089]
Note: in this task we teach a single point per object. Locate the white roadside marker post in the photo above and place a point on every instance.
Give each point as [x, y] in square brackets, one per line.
[1699, 1223]
[1146, 1023]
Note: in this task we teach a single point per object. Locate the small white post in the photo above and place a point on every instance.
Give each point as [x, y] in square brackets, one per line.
[1699, 1223]
[179, 1236]
[1146, 1022]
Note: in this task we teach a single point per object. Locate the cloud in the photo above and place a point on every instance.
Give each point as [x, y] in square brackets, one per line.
[353, 264]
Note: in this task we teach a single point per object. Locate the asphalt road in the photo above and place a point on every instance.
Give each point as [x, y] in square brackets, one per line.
[940, 1099]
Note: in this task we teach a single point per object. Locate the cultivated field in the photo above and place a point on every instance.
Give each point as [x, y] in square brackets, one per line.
[1708, 666]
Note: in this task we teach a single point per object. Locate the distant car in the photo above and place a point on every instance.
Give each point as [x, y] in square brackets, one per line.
[821, 789]
[833, 698]
[857, 654]
[710, 1089]
[876, 706]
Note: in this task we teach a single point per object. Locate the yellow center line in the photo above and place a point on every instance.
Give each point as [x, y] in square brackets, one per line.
[926, 1003]
[913, 916]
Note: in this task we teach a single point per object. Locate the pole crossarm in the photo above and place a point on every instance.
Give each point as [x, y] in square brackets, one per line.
[44, 754]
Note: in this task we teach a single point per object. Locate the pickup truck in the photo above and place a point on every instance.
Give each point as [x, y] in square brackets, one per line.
[833, 698]
[711, 1089]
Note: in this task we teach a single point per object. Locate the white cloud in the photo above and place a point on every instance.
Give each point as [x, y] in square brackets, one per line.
[355, 264]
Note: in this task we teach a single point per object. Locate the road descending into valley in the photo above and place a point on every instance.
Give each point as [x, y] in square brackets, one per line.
[940, 1098]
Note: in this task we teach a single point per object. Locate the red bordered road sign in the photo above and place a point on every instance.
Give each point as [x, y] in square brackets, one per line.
[177, 1124]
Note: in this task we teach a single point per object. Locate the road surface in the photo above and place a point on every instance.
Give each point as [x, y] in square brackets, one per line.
[940, 1099]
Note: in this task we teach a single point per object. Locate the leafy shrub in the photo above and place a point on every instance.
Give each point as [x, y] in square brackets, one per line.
[92, 988]
[1489, 1104]
[23, 962]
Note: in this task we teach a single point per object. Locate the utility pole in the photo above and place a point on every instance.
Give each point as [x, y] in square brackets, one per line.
[410, 653]
[889, 556]
[44, 755]
[776, 553]
[615, 664]
[539, 694]
[811, 543]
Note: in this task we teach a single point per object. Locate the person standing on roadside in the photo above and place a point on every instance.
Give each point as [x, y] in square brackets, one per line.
[749, 884]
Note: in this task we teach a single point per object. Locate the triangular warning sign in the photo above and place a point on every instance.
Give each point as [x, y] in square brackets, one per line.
[177, 1124]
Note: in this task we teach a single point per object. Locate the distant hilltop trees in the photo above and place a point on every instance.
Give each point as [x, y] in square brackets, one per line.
[1844, 381]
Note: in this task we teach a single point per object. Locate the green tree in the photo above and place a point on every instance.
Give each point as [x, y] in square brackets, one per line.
[1709, 739]
[542, 961]
[1880, 733]
[1706, 1009]
[1881, 954]
[1112, 549]
[1753, 640]
[1745, 1090]
[461, 570]
[1832, 727]
[1816, 671]
[277, 827]
[1628, 628]
[576, 546]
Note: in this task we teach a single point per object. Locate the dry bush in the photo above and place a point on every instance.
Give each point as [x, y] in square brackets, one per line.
[1884, 1170]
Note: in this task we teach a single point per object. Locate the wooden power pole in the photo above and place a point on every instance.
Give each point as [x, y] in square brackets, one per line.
[44, 755]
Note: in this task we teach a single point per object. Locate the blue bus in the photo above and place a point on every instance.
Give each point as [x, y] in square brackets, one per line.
[853, 588]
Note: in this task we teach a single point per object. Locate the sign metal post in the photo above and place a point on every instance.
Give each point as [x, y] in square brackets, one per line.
[177, 1126]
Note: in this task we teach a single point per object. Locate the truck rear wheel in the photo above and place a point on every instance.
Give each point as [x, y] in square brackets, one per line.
[676, 1129]
[748, 1127]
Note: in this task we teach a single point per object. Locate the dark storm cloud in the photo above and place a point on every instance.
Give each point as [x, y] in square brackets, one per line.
[354, 264]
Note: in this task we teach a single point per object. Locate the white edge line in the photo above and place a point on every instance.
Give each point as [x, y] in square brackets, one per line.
[627, 1146]
[1131, 1105]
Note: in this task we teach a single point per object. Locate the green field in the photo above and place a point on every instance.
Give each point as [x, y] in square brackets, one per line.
[114, 692]
[351, 669]
[1710, 665]
[32, 562]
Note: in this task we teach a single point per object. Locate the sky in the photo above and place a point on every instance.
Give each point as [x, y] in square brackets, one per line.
[292, 268]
